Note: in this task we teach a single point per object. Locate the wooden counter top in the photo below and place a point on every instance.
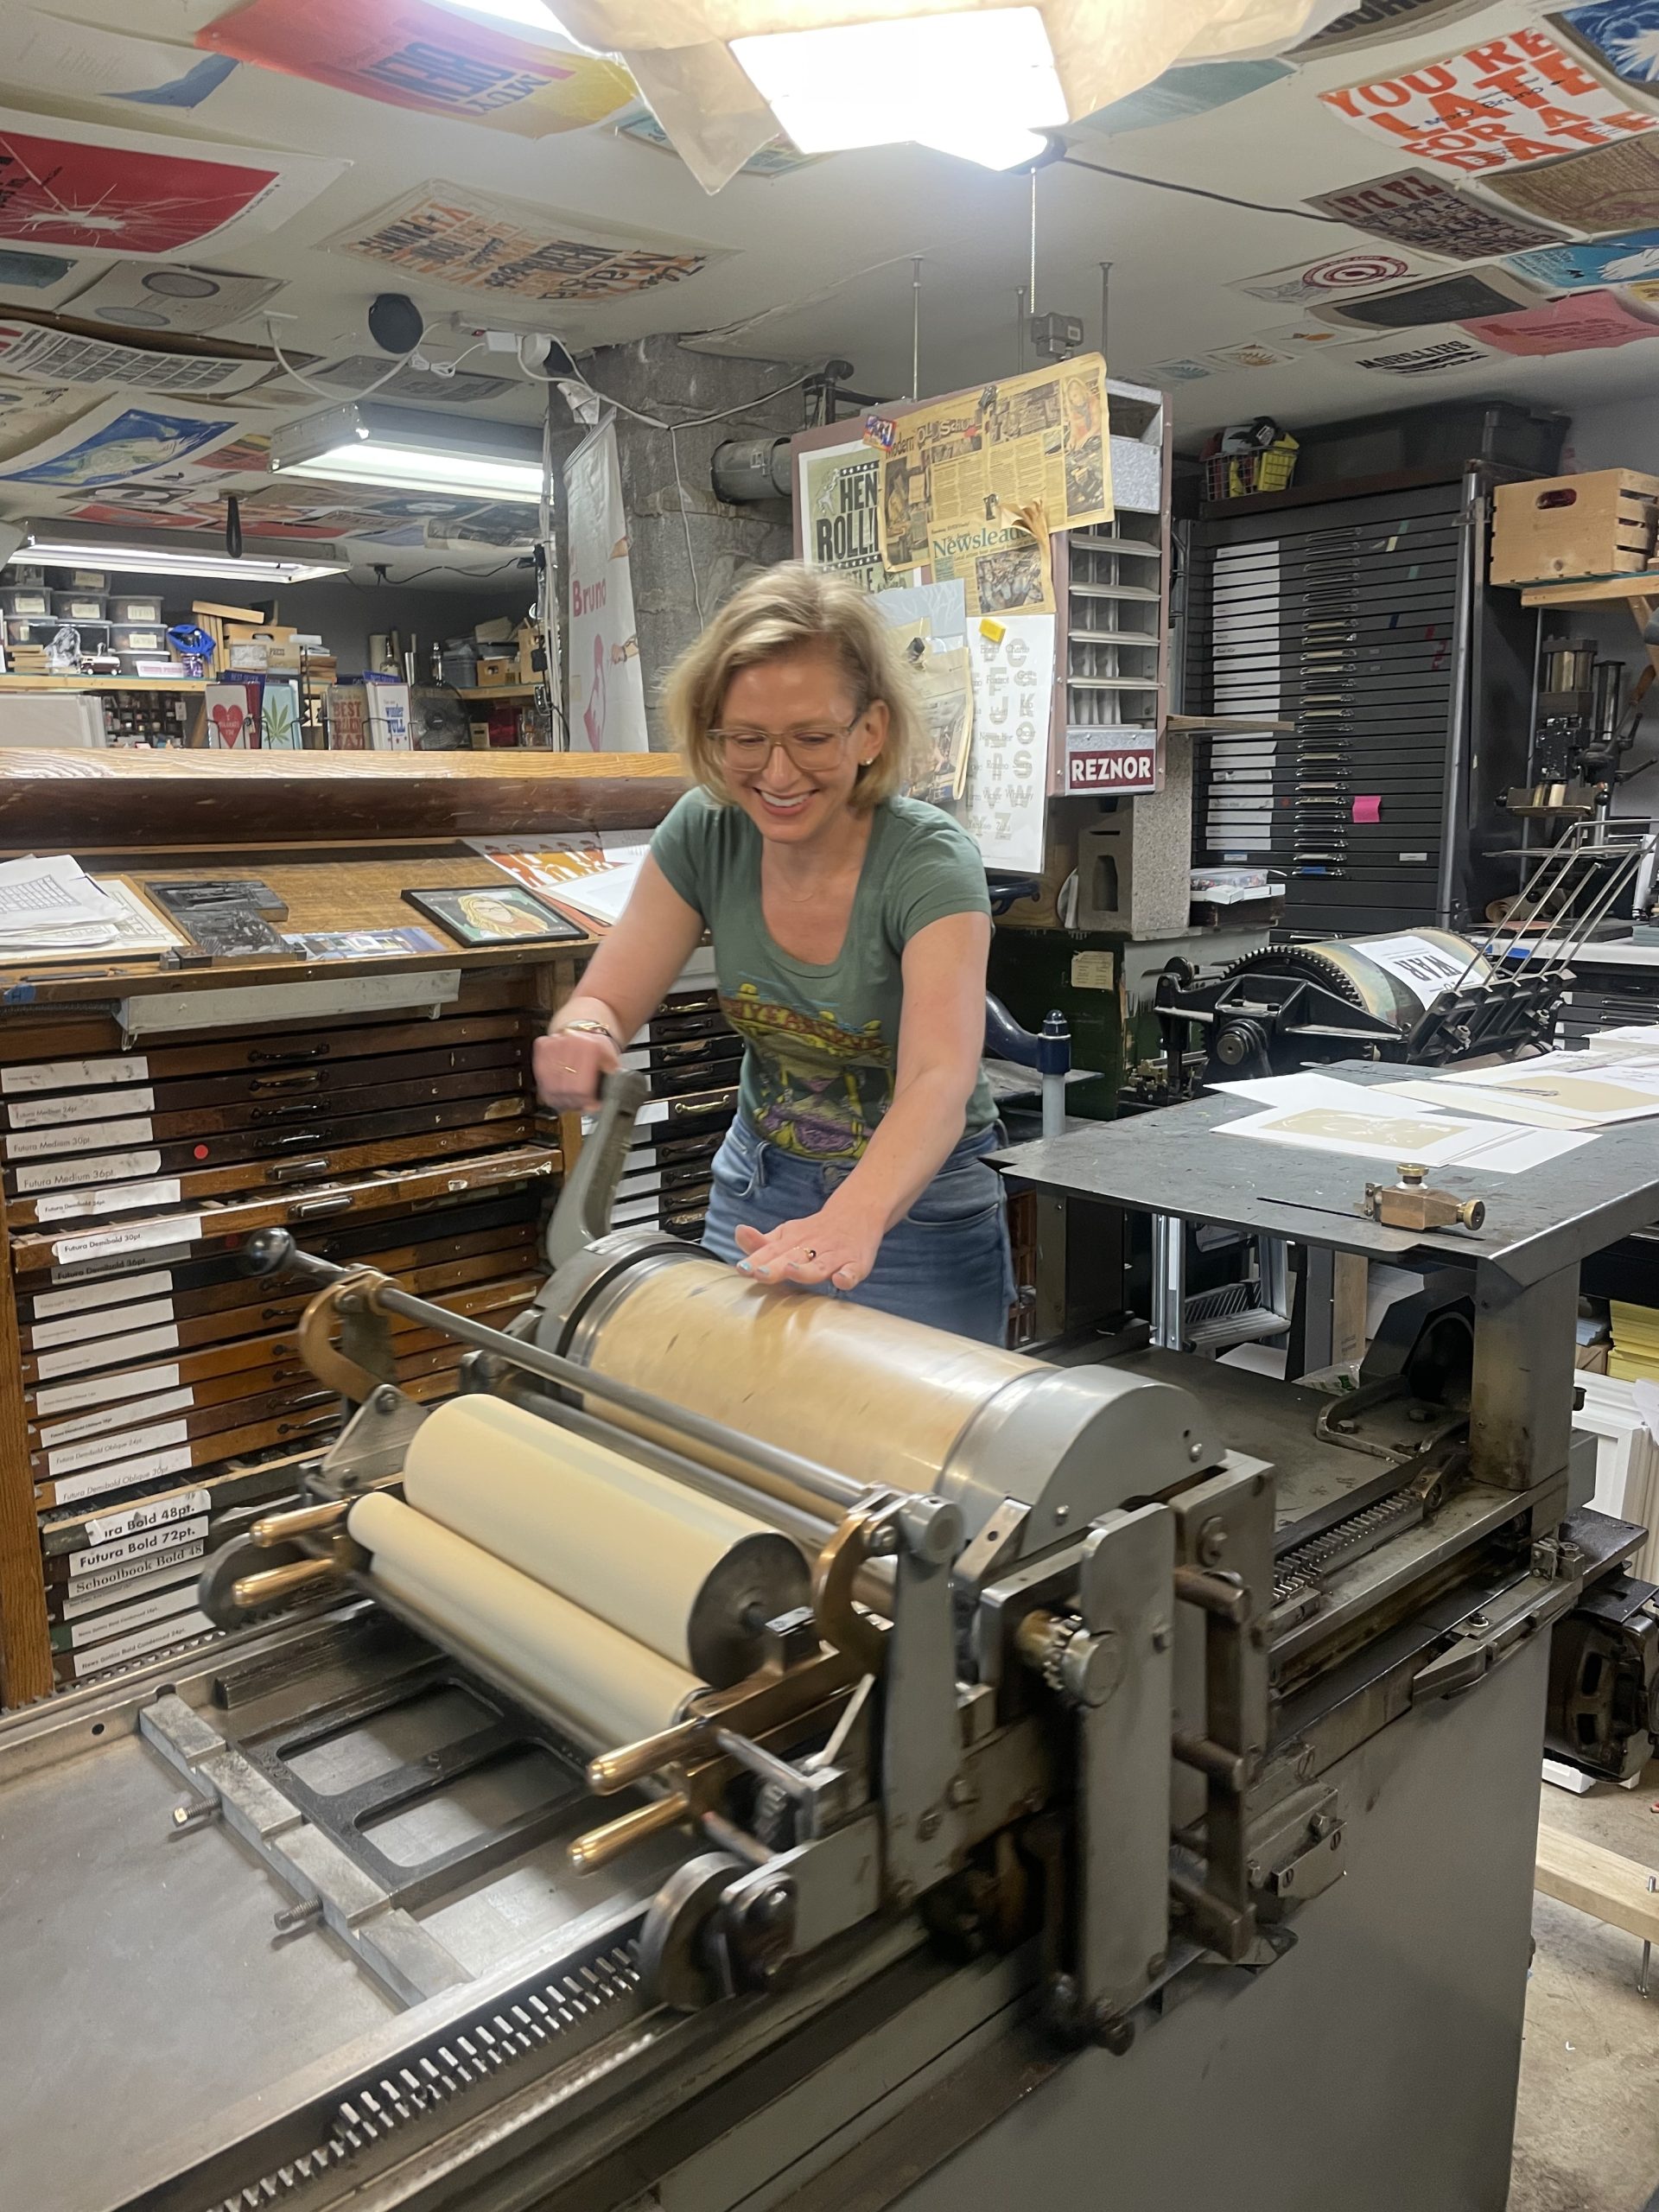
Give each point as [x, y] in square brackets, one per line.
[86, 802]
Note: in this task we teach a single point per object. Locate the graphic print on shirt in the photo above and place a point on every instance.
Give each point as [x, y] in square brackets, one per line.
[820, 1088]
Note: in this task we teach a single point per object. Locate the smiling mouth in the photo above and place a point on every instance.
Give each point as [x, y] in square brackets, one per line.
[785, 806]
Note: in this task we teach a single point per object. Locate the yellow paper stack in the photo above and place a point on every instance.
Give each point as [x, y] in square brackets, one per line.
[1635, 1356]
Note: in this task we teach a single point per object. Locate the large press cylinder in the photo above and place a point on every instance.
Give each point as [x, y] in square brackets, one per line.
[1395, 977]
[887, 1402]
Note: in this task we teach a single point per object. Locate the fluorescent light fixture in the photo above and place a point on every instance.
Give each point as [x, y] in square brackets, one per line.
[981, 85]
[179, 554]
[413, 449]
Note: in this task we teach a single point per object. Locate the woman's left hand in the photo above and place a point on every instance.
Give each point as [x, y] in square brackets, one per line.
[838, 1248]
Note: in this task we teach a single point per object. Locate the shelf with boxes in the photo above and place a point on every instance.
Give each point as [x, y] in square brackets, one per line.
[110, 633]
[149, 1121]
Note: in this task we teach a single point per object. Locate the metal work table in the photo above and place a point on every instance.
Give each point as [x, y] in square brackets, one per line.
[1537, 1223]
[1523, 1263]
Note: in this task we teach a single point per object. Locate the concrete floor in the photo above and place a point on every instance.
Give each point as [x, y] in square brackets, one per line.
[1586, 2136]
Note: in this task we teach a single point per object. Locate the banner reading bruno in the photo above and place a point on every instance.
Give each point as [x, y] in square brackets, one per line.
[605, 689]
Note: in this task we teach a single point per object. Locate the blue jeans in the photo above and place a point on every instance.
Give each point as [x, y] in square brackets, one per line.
[946, 1263]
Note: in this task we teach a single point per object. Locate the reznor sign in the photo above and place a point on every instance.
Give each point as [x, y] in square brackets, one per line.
[1106, 761]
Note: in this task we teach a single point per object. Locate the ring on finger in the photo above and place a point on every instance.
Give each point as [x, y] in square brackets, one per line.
[810, 1252]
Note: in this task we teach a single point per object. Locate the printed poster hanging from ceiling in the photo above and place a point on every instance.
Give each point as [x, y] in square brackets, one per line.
[409, 54]
[472, 240]
[1415, 207]
[1507, 101]
[81, 185]
[605, 688]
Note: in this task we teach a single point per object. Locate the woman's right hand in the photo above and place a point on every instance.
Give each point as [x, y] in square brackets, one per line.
[569, 1065]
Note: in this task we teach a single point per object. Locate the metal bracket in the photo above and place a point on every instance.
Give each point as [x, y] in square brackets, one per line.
[1225, 1545]
[1297, 1847]
[1486, 1638]
[372, 1444]
[362, 1360]
[921, 1728]
[1123, 1856]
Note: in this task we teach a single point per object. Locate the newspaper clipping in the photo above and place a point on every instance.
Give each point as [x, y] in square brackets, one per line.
[975, 483]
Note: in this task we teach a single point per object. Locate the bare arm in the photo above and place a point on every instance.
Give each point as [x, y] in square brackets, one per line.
[941, 1038]
[622, 989]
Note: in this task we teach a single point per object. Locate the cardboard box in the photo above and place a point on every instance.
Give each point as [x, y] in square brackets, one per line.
[1554, 529]
[493, 670]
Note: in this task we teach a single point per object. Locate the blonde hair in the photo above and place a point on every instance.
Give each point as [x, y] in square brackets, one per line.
[789, 606]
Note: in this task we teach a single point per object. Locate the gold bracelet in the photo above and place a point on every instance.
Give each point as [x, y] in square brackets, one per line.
[585, 1029]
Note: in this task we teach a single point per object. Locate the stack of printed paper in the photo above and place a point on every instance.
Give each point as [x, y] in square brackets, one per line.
[1321, 1113]
[49, 905]
[1635, 1356]
[592, 875]
[1614, 1080]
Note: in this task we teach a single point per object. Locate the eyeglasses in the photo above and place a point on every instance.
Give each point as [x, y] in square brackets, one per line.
[749, 750]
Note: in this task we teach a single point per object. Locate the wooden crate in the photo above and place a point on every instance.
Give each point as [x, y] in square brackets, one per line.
[1598, 525]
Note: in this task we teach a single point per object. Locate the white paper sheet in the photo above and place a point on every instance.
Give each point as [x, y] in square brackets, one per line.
[1389, 1137]
[604, 895]
[1425, 968]
[1466, 1098]
[47, 901]
[1596, 1090]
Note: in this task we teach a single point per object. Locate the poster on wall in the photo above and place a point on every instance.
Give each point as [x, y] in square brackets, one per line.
[1357, 269]
[29, 412]
[454, 234]
[1458, 296]
[1612, 188]
[48, 53]
[1021, 457]
[28, 349]
[1583, 322]
[1622, 35]
[1586, 267]
[1375, 22]
[410, 54]
[838, 496]
[1003, 801]
[1432, 358]
[74, 184]
[1415, 207]
[114, 442]
[1503, 104]
[605, 687]
[173, 296]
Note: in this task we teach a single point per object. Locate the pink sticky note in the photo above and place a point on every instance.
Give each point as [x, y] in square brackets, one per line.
[1367, 808]
[1581, 323]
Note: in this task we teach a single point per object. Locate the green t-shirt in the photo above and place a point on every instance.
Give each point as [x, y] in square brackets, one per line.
[822, 1040]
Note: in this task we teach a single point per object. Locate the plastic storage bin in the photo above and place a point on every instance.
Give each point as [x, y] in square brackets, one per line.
[79, 605]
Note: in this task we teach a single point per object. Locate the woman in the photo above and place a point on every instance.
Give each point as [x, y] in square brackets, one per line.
[851, 929]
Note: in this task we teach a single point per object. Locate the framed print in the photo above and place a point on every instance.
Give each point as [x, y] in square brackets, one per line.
[492, 913]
